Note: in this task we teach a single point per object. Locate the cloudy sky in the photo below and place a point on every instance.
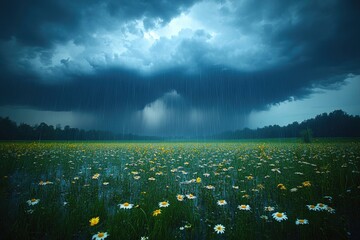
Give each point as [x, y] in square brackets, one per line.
[170, 68]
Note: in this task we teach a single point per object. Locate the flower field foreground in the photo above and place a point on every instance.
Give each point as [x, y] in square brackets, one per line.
[210, 190]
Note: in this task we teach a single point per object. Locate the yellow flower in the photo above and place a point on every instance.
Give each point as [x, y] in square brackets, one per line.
[306, 184]
[96, 176]
[281, 186]
[156, 212]
[249, 177]
[246, 196]
[198, 180]
[94, 221]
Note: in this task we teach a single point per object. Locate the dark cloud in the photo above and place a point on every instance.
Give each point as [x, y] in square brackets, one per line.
[298, 46]
[111, 89]
[43, 23]
[37, 23]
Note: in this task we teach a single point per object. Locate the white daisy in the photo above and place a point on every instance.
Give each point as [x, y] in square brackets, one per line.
[219, 229]
[330, 210]
[100, 236]
[278, 216]
[321, 206]
[221, 202]
[301, 221]
[313, 207]
[164, 204]
[190, 196]
[244, 207]
[269, 209]
[126, 205]
[33, 201]
[180, 197]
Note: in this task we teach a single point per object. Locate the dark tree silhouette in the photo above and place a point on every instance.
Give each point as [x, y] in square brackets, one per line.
[335, 124]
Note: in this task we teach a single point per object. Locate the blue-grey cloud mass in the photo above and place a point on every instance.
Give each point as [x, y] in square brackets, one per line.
[173, 67]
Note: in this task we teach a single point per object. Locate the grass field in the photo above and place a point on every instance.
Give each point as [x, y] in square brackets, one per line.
[189, 190]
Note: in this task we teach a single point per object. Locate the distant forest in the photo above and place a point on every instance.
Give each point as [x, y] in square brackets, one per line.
[335, 124]
[9, 130]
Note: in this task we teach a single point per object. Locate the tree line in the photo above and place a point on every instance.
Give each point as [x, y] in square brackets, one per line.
[9, 130]
[335, 124]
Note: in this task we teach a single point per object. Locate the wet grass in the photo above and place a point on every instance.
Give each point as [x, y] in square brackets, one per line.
[87, 180]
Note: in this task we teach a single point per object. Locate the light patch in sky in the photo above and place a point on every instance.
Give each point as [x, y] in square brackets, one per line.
[155, 114]
[347, 98]
[174, 27]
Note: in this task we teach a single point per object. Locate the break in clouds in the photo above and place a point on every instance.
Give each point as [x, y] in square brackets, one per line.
[172, 67]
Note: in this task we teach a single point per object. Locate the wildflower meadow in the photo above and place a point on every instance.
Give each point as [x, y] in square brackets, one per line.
[180, 190]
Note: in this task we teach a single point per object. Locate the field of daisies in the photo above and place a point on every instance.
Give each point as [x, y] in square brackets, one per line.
[180, 190]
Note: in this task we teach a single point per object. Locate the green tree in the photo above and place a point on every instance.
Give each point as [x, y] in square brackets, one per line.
[306, 135]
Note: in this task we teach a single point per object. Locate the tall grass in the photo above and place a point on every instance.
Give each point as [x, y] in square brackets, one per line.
[145, 174]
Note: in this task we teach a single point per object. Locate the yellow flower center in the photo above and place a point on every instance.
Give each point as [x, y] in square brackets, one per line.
[33, 200]
[301, 221]
[100, 235]
[126, 204]
[243, 206]
[219, 228]
[312, 206]
[190, 195]
[321, 205]
[222, 201]
[279, 215]
[163, 203]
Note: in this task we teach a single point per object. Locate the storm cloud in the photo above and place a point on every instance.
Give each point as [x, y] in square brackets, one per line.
[165, 67]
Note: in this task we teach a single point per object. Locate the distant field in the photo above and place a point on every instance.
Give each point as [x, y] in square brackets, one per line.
[180, 190]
